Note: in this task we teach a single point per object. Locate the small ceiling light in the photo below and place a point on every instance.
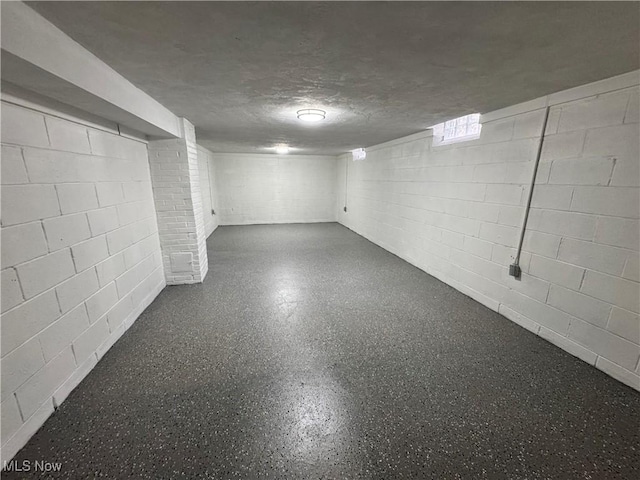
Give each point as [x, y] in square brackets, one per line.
[282, 149]
[311, 115]
[359, 154]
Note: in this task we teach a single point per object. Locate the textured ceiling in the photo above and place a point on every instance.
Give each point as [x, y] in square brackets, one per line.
[240, 70]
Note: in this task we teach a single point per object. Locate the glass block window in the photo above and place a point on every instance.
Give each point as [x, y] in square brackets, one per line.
[458, 129]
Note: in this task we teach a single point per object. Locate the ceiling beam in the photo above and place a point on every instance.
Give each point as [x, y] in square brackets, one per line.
[38, 56]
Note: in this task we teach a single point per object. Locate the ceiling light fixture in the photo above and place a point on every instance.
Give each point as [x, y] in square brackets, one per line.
[282, 149]
[311, 115]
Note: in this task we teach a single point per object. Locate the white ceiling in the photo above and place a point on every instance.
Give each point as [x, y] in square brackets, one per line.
[381, 70]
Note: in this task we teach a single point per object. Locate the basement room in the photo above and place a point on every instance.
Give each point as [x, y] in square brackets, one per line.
[320, 240]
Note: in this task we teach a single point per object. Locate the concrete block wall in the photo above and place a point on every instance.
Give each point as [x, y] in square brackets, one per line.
[80, 256]
[177, 193]
[455, 211]
[256, 188]
[208, 190]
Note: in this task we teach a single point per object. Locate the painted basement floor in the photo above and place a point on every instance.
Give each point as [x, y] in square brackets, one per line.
[309, 352]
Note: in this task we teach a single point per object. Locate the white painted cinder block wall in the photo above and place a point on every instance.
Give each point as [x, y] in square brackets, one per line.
[208, 191]
[455, 212]
[255, 188]
[80, 256]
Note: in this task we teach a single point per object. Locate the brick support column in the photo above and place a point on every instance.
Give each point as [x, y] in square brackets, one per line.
[176, 192]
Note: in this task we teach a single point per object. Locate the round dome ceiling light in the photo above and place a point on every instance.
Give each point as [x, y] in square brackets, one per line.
[311, 115]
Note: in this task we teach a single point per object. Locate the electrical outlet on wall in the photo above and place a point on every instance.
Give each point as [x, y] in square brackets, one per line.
[515, 271]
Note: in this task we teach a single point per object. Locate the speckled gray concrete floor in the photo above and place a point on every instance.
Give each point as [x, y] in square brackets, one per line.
[310, 353]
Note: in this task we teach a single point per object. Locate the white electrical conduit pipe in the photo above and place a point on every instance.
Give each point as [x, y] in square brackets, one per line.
[346, 183]
[514, 268]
